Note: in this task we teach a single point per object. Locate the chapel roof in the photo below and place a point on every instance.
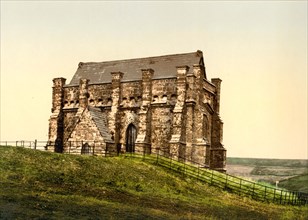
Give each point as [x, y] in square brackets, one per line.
[100, 119]
[163, 66]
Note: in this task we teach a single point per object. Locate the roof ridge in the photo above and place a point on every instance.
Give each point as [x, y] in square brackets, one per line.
[198, 53]
[164, 67]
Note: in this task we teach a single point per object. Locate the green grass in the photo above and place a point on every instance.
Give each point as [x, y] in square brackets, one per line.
[299, 183]
[257, 190]
[43, 185]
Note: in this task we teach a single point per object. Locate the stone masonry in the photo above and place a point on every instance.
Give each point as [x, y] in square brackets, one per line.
[144, 105]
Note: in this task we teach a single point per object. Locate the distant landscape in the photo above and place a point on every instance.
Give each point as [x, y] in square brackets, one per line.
[290, 174]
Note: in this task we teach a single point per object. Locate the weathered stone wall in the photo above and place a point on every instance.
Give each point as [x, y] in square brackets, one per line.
[164, 91]
[113, 116]
[57, 94]
[85, 132]
[217, 159]
[144, 133]
[161, 128]
[71, 97]
[55, 135]
[100, 95]
[69, 123]
[189, 128]
[178, 138]
[131, 94]
[131, 99]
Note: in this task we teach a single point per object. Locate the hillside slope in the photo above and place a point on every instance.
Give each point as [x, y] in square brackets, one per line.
[298, 183]
[42, 185]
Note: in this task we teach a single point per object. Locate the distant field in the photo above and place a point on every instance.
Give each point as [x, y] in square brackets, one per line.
[267, 162]
[291, 174]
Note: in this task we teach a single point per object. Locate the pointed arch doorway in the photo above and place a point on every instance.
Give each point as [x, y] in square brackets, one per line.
[131, 135]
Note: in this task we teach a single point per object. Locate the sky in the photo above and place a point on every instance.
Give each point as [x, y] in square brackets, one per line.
[257, 48]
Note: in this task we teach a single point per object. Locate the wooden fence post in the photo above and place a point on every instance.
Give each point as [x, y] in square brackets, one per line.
[289, 198]
[69, 147]
[198, 170]
[240, 186]
[143, 152]
[157, 153]
[93, 148]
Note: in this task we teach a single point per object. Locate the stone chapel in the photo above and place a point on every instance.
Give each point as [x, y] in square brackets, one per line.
[145, 105]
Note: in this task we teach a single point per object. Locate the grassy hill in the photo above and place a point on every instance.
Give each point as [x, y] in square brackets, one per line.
[43, 185]
[299, 183]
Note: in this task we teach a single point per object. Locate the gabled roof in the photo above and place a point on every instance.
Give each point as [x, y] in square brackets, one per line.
[163, 66]
[100, 120]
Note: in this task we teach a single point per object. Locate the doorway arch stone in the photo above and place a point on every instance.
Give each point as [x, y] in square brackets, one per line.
[131, 135]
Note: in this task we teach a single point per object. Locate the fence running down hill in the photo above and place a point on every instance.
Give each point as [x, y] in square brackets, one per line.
[192, 169]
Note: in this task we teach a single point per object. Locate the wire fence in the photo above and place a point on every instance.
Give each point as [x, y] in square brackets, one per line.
[36, 145]
[186, 168]
[233, 184]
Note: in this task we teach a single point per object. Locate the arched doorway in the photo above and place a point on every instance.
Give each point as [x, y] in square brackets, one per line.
[131, 135]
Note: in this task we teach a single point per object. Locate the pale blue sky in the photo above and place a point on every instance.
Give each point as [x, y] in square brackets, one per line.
[258, 49]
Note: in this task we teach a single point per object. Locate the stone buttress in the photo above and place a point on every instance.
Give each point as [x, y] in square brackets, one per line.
[177, 142]
[55, 136]
[143, 141]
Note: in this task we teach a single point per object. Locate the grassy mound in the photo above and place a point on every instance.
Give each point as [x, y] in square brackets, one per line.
[42, 185]
[299, 183]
